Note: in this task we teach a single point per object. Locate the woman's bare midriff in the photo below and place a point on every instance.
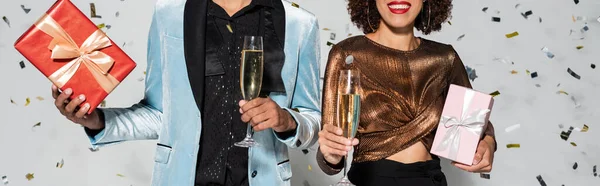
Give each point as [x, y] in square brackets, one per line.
[415, 153]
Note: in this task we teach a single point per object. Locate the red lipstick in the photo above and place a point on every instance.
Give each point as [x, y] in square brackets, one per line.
[399, 7]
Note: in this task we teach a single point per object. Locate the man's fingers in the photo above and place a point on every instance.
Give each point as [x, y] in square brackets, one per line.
[333, 129]
[258, 119]
[331, 151]
[253, 103]
[55, 92]
[62, 98]
[81, 113]
[249, 114]
[70, 108]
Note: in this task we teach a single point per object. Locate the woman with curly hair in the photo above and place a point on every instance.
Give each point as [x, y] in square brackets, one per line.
[405, 80]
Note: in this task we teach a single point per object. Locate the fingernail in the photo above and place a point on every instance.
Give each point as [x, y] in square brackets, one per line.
[86, 106]
[68, 91]
[81, 97]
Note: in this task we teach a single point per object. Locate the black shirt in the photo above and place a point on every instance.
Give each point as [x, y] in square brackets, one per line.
[219, 161]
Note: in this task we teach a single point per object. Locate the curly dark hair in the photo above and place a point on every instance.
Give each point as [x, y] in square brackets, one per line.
[365, 15]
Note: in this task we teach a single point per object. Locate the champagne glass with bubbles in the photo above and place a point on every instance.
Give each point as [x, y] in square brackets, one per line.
[251, 75]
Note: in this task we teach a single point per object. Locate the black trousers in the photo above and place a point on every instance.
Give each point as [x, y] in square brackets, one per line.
[387, 172]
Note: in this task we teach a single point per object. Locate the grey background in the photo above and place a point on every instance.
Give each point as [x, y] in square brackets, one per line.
[539, 110]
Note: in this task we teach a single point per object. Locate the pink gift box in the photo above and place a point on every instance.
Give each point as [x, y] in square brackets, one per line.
[462, 124]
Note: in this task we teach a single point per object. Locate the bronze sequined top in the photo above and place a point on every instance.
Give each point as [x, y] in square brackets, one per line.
[403, 94]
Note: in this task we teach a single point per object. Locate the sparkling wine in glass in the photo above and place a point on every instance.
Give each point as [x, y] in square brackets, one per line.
[348, 110]
[251, 75]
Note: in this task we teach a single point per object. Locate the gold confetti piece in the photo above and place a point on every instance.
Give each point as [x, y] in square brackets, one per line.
[120, 175]
[60, 163]
[510, 35]
[562, 92]
[144, 72]
[514, 72]
[101, 26]
[295, 5]
[574, 144]
[40, 98]
[309, 168]
[579, 47]
[513, 145]
[495, 93]
[29, 176]
[229, 28]
[93, 11]
[527, 71]
[326, 29]
[585, 128]
[573, 17]
[27, 101]
[103, 103]
[450, 23]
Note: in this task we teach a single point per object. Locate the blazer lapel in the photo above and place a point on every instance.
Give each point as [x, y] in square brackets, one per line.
[194, 31]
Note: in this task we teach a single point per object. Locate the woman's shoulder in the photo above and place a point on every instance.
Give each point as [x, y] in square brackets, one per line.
[348, 44]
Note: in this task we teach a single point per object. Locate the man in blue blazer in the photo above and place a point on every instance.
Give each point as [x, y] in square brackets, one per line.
[192, 98]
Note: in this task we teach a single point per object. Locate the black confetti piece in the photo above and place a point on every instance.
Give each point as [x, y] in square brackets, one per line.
[517, 5]
[540, 19]
[26, 10]
[330, 43]
[541, 180]
[460, 37]
[534, 75]
[117, 14]
[576, 1]
[6, 21]
[305, 183]
[527, 14]
[484, 176]
[565, 135]
[575, 166]
[22, 64]
[93, 11]
[108, 26]
[496, 19]
[484, 9]
[575, 75]
[304, 151]
[593, 66]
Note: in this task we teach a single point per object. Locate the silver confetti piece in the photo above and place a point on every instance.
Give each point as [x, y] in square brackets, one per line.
[332, 36]
[512, 128]
[598, 19]
[117, 14]
[5, 180]
[349, 59]
[577, 105]
[547, 52]
[471, 73]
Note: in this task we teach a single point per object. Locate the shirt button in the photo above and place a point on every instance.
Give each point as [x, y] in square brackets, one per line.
[253, 174]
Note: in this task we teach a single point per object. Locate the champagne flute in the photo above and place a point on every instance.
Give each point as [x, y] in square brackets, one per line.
[348, 110]
[251, 75]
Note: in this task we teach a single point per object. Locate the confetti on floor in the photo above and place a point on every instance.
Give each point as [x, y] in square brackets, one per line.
[332, 36]
[27, 101]
[496, 19]
[309, 168]
[450, 23]
[117, 14]
[565, 135]
[26, 10]
[5, 180]
[575, 75]
[513, 145]
[38, 124]
[577, 105]
[39, 98]
[576, 1]
[547, 52]
[484, 9]
[326, 29]
[495, 93]
[579, 47]
[460, 37]
[60, 163]
[514, 72]
[330, 43]
[512, 128]
[484, 176]
[29, 176]
[511, 35]
[13, 101]
[22, 64]
[585, 128]
[575, 166]
[593, 66]
[120, 175]
[6, 21]
[93, 11]
[562, 92]
[304, 151]
[101, 26]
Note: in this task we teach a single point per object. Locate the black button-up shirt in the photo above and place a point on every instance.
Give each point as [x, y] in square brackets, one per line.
[219, 161]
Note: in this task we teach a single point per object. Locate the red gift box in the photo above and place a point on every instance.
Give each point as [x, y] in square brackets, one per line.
[73, 53]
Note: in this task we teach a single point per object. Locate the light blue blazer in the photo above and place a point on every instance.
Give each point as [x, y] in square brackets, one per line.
[168, 111]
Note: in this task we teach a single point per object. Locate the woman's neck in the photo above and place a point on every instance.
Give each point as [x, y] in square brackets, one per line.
[232, 6]
[397, 38]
